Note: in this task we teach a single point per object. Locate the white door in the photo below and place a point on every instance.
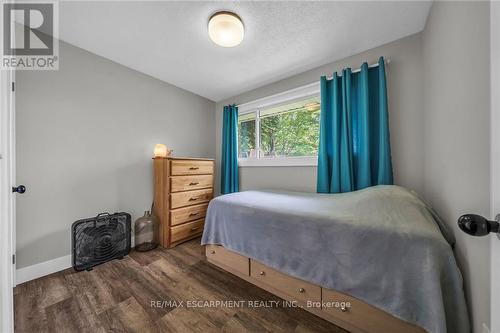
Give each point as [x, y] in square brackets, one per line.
[495, 160]
[7, 200]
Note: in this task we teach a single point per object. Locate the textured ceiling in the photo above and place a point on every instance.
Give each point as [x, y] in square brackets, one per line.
[169, 41]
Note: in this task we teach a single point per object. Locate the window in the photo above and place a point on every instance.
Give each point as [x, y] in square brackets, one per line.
[246, 135]
[286, 133]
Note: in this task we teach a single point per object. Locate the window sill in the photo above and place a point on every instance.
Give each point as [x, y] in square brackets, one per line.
[278, 162]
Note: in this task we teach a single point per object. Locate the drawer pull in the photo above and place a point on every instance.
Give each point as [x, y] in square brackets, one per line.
[262, 273]
[193, 183]
[194, 228]
[212, 252]
[302, 290]
[343, 308]
[193, 168]
[193, 199]
[193, 214]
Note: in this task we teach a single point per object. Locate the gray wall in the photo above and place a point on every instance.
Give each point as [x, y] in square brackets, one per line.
[456, 136]
[404, 81]
[85, 138]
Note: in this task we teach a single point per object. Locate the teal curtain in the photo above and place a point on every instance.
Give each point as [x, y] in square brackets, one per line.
[354, 143]
[229, 172]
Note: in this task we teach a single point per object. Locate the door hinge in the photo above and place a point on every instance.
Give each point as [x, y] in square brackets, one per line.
[13, 86]
[13, 259]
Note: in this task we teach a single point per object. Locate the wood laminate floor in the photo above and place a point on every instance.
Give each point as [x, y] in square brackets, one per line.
[117, 296]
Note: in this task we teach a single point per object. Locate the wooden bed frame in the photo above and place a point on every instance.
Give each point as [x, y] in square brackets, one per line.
[341, 309]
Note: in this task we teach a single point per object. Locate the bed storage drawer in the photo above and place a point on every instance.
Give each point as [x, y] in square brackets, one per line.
[297, 289]
[191, 167]
[228, 259]
[186, 230]
[185, 214]
[182, 199]
[187, 183]
[362, 315]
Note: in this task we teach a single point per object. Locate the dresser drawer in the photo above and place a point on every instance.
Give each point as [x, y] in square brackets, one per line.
[228, 259]
[363, 315]
[191, 167]
[182, 199]
[187, 183]
[190, 213]
[297, 289]
[186, 230]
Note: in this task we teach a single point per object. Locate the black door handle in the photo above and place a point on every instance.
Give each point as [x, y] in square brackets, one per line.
[476, 225]
[19, 189]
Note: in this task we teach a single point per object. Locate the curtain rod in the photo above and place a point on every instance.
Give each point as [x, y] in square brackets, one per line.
[307, 87]
[387, 61]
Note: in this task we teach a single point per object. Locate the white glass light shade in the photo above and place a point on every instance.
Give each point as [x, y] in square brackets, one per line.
[226, 29]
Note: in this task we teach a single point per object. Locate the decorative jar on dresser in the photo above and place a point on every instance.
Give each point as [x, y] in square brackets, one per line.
[182, 189]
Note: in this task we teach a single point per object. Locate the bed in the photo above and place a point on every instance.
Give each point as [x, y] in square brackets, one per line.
[382, 248]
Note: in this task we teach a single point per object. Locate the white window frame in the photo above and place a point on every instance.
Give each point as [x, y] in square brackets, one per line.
[266, 103]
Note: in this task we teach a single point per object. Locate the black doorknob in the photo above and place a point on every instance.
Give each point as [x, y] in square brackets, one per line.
[19, 189]
[477, 225]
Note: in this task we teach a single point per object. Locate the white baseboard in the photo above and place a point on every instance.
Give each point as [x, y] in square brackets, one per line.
[47, 267]
[44, 268]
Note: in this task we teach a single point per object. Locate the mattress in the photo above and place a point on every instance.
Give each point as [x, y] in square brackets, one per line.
[383, 245]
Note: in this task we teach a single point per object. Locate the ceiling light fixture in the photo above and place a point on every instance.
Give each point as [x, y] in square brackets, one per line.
[226, 29]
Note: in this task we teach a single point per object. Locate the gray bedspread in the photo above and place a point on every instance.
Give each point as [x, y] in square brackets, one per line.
[382, 245]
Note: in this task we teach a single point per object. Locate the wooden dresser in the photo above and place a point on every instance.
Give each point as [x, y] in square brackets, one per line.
[182, 189]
